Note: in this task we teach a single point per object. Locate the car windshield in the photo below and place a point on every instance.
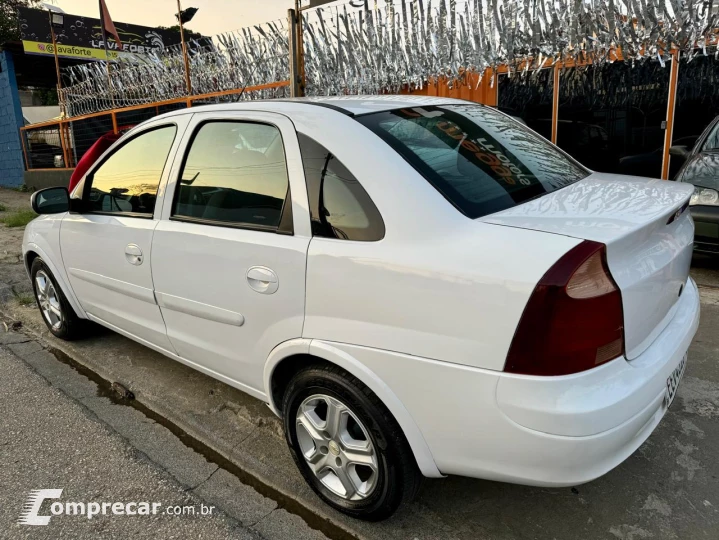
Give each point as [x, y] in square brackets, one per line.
[480, 159]
[702, 171]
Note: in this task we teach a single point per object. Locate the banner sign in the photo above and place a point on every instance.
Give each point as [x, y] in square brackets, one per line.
[81, 37]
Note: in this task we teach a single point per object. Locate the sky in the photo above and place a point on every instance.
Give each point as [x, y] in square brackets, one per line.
[213, 17]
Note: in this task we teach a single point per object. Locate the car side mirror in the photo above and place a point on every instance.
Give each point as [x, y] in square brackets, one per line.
[679, 151]
[54, 200]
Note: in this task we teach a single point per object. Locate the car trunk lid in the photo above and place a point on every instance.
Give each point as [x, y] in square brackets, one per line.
[647, 229]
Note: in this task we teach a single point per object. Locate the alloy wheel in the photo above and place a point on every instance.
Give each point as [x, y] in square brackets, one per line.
[48, 300]
[337, 447]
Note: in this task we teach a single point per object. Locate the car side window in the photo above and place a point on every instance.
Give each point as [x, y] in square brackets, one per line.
[712, 142]
[128, 180]
[339, 205]
[235, 174]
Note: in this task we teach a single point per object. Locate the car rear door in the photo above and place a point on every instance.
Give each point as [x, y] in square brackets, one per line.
[106, 246]
[229, 255]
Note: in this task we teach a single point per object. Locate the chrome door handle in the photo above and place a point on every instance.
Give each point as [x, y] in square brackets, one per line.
[133, 254]
[262, 279]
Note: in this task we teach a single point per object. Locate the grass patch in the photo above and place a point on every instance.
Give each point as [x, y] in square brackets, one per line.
[25, 299]
[2, 207]
[19, 218]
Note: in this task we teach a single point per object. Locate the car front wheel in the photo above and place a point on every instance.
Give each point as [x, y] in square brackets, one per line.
[347, 445]
[56, 311]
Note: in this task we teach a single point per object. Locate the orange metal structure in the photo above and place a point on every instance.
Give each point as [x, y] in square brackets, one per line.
[671, 106]
[555, 103]
[63, 125]
[468, 87]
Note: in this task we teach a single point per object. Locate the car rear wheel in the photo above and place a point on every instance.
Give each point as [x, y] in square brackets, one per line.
[56, 311]
[347, 445]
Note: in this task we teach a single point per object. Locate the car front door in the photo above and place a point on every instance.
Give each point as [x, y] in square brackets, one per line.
[229, 255]
[106, 245]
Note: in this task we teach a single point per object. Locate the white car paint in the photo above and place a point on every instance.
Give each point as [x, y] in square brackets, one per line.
[214, 284]
[424, 317]
[648, 259]
[546, 438]
[43, 238]
[106, 285]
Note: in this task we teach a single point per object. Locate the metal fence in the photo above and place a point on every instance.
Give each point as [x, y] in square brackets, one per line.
[44, 148]
[60, 144]
[448, 49]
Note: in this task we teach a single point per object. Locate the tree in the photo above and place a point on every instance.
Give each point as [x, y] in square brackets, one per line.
[48, 96]
[9, 26]
[189, 34]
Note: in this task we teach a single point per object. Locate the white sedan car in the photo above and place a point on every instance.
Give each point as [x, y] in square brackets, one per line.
[416, 286]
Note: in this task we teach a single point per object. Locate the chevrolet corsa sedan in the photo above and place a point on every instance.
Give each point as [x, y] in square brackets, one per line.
[416, 286]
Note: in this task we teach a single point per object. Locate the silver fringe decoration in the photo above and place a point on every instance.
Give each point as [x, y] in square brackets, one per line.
[247, 57]
[355, 48]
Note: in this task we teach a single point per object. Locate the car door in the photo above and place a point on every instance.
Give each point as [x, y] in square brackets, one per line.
[229, 255]
[107, 244]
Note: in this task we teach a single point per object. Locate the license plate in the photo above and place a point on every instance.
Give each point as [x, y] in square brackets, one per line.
[673, 382]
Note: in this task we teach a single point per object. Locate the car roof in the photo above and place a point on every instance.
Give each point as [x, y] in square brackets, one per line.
[369, 104]
[349, 105]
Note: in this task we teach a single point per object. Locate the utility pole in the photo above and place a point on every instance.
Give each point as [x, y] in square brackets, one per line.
[294, 60]
[296, 47]
[59, 20]
[300, 47]
[188, 81]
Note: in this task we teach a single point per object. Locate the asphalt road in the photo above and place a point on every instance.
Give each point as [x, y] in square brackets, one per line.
[48, 441]
[60, 432]
[668, 489]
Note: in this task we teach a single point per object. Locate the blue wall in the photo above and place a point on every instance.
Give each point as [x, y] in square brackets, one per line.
[11, 157]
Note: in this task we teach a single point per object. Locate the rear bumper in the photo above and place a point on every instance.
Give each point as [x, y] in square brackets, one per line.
[604, 398]
[545, 431]
[584, 425]
[706, 228]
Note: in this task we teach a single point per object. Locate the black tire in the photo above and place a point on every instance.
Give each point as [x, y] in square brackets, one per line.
[70, 326]
[398, 477]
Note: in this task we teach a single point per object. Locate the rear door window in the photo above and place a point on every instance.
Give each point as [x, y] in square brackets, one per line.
[481, 160]
[235, 174]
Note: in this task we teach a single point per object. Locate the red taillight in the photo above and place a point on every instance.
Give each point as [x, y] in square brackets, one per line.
[574, 319]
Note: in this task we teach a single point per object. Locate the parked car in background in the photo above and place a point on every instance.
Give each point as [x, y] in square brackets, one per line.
[701, 169]
[44, 150]
[416, 286]
[649, 164]
[41, 155]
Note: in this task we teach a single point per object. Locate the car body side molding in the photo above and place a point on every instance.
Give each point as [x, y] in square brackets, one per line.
[122, 287]
[198, 309]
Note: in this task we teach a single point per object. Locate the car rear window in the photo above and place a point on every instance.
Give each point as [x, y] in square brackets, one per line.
[481, 160]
